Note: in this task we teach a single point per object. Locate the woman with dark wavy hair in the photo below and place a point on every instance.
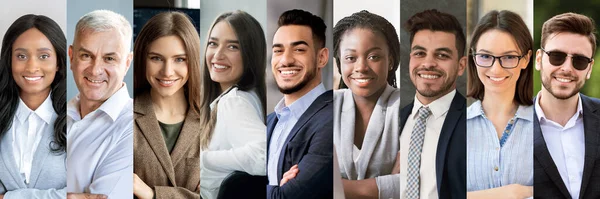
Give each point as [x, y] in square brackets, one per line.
[33, 99]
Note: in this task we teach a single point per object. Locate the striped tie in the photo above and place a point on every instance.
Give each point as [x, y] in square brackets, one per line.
[414, 154]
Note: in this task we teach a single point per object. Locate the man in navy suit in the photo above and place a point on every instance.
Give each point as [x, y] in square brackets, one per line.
[300, 131]
[433, 137]
[566, 130]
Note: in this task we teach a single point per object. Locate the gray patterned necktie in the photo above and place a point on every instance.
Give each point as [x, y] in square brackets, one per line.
[414, 154]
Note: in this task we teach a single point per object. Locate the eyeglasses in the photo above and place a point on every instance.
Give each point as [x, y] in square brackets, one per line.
[487, 60]
[557, 58]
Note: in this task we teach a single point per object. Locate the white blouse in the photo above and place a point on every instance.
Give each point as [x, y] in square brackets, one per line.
[27, 129]
[238, 141]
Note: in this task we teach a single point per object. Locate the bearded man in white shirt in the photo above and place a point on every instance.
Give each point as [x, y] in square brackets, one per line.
[100, 117]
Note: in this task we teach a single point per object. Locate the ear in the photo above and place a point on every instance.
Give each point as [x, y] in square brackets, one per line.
[538, 59]
[322, 57]
[589, 74]
[462, 64]
[391, 61]
[128, 61]
[527, 60]
[70, 52]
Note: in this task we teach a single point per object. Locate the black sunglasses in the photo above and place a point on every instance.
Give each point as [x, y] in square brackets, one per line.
[557, 58]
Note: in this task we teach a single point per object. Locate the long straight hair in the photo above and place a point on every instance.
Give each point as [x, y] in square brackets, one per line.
[254, 58]
[9, 91]
[166, 24]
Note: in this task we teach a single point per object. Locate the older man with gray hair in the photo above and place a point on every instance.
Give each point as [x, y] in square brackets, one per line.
[100, 117]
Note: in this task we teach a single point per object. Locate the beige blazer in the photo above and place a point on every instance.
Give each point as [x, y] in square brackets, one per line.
[174, 175]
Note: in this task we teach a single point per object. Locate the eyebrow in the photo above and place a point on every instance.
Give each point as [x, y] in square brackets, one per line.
[368, 50]
[105, 54]
[293, 44]
[228, 41]
[158, 54]
[39, 49]
[504, 53]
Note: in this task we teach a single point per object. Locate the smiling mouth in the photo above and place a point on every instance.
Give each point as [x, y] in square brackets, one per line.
[220, 67]
[166, 82]
[428, 76]
[563, 80]
[29, 78]
[497, 79]
[94, 81]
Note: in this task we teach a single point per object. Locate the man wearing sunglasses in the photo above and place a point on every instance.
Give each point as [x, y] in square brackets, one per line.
[566, 138]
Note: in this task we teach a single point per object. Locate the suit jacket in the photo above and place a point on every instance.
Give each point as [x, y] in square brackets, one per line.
[174, 175]
[451, 156]
[547, 182]
[48, 172]
[310, 145]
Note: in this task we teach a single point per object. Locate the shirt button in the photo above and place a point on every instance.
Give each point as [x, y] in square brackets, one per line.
[496, 168]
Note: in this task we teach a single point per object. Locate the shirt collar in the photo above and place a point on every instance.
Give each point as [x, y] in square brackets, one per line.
[45, 111]
[523, 112]
[540, 113]
[299, 106]
[438, 108]
[112, 106]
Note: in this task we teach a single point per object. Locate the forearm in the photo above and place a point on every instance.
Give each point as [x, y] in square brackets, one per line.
[249, 158]
[507, 191]
[174, 192]
[360, 188]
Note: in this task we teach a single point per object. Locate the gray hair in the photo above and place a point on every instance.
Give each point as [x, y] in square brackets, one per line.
[105, 20]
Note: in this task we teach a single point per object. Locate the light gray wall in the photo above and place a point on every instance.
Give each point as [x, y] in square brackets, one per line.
[11, 10]
[407, 9]
[322, 8]
[75, 10]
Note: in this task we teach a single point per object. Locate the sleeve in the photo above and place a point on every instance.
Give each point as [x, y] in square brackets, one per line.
[113, 176]
[388, 186]
[165, 192]
[315, 176]
[37, 194]
[245, 131]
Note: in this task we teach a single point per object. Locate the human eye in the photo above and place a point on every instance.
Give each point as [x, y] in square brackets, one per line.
[21, 57]
[350, 58]
[44, 56]
[212, 44]
[155, 58]
[233, 47]
[419, 54]
[443, 56]
[180, 59]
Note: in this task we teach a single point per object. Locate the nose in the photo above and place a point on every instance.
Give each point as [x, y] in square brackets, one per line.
[287, 58]
[167, 69]
[218, 53]
[32, 66]
[429, 61]
[96, 67]
[496, 68]
[567, 66]
[361, 66]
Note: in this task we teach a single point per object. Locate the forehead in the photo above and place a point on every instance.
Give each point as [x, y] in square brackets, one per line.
[222, 30]
[110, 40]
[357, 38]
[432, 40]
[32, 38]
[497, 41]
[570, 43]
[292, 33]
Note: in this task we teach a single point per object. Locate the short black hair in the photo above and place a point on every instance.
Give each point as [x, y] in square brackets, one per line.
[435, 20]
[305, 18]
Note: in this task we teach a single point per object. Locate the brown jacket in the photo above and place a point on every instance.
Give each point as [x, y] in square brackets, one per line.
[174, 175]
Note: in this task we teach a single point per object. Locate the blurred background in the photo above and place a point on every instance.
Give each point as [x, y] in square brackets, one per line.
[407, 9]
[12, 10]
[321, 8]
[388, 9]
[545, 10]
[476, 9]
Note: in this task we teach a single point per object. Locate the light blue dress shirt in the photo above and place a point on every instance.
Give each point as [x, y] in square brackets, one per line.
[490, 165]
[287, 117]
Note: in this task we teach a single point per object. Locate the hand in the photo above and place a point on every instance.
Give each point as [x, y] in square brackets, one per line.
[396, 169]
[1, 196]
[85, 196]
[512, 191]
[288, 175]
[140, 189]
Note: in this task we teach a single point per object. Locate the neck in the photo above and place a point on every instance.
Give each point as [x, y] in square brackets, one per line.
[33, 101]
[292, 97]
[558, 110]
[428, 100]
[224, 87]
[172, 105]
[499, 104]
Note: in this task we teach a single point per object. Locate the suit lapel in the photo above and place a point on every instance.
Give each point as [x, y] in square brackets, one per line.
[590, 125]
[348, 120]
[188, 135]
[271, 123]
[148, 124]
[542, 155]
[9, 165]
[452, 117]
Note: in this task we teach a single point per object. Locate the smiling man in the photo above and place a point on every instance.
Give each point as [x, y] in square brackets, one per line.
[566, 155]
[433, 138]
[300, 131]
[100, 117]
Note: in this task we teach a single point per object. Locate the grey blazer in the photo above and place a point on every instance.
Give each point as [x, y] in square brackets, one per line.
[48, 172]
[380, 145]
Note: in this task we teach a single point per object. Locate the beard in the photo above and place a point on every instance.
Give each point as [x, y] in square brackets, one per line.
[444, 88]
[310, 74]
[547, 83]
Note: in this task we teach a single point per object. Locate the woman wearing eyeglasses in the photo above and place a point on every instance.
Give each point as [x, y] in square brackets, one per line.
[500, 121]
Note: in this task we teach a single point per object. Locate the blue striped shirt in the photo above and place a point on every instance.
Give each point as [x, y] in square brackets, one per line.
[490, 165]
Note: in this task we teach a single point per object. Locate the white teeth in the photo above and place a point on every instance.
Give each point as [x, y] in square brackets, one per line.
[32, 78]
[497, 79]
[166, 81]
[219, 66]
[94, 81]
[563, 80]
[429, 76]
[288, 72]
[362, 80]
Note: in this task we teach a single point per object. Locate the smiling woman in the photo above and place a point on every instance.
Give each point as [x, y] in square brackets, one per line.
[32, 94]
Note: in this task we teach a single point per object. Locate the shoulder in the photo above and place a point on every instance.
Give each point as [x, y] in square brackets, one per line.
[595, 102]
[236, 98]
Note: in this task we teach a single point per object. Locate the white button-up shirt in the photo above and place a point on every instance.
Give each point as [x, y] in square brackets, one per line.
[566, 145]
[27, 129]
[100, 147]
[439, 109]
